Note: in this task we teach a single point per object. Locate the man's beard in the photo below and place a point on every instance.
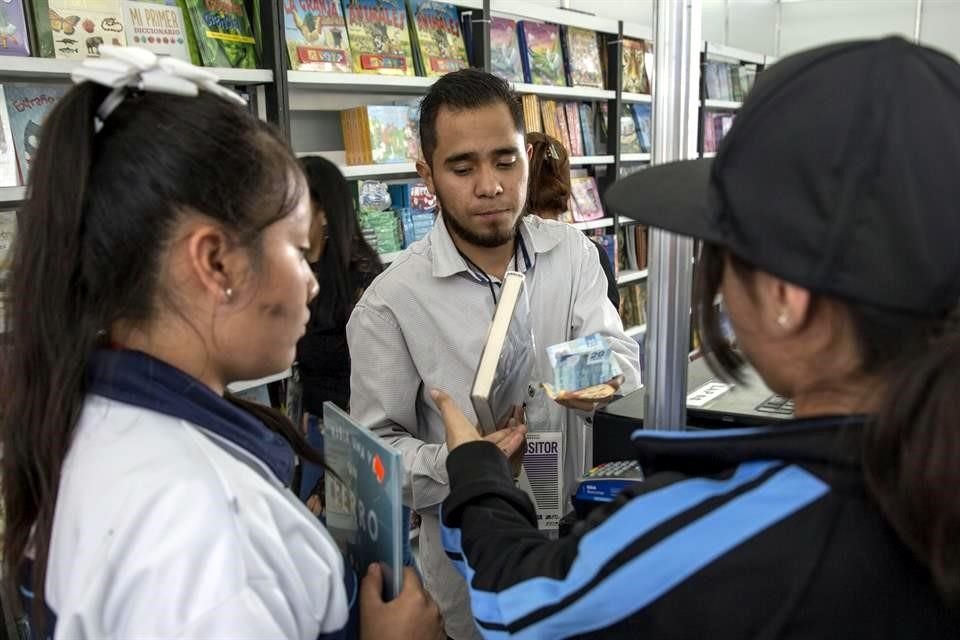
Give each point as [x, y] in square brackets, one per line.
[491, 239]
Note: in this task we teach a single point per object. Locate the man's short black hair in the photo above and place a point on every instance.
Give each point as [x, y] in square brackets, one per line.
[460, 91]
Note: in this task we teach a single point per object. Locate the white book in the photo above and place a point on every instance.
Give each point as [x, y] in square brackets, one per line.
[9, 172]
[506, 362]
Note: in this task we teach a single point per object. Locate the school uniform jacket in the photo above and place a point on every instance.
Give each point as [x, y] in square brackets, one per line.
[747, 533]
[173, 521]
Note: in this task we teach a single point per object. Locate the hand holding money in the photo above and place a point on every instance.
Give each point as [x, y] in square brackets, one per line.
[586, 374]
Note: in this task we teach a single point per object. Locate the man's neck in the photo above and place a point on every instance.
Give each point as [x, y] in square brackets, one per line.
[493, 260]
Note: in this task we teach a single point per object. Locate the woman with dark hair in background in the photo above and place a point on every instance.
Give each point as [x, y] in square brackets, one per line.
[344, 265]
[141, 499]
[548, 194]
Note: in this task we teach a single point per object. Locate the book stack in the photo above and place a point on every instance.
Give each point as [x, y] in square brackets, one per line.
[380, 134]
[378, 222]
[416, 209]
[729, 81]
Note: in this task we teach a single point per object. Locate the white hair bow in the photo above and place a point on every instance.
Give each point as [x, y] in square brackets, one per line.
[131, 67]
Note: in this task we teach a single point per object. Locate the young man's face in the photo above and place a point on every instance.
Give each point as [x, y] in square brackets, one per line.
[479, 174]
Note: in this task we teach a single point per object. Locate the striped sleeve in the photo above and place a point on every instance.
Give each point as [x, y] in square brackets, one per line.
[625, 557]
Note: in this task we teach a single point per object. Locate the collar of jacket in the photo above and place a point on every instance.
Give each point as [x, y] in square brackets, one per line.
[134, 378]
[447, 261]
[833, 440]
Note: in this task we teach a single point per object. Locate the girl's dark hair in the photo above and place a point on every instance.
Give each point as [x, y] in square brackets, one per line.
[346, 250]
[548, 190]
[911, 447]
[88, 252]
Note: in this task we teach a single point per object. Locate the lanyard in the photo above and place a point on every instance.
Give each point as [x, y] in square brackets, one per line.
[516, 245]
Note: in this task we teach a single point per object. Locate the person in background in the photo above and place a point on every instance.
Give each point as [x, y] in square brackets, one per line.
[344, 265]
[141, 499]
[423, 322]
[548, 194]
[835, 244]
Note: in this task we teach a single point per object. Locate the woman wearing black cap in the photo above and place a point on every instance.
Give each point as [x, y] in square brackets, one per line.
[831, 227]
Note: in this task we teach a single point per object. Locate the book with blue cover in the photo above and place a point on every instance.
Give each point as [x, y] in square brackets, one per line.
[364, 509]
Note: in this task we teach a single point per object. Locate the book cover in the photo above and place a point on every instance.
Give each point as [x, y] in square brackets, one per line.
[156, 25]
[223, 33]
[583, 57]
[27, 106]
[586, 126]
[629, 138]
[438, 36]
[635, 78]
[609, 244]
[505, 50]
[75, 29]
[364, 508]
[379, 37]
[563, 132]
[466, 27]
[544, 57]
[14, 37]
[9, 171]
[585, 193]
[393, 133]
[573, 128]
[531, 113]
[316, 35]
[642, 118]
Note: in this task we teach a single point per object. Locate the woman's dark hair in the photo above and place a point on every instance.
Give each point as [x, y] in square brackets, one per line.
[548, 190]
[346, 250]
[100, 214]
[911, 447]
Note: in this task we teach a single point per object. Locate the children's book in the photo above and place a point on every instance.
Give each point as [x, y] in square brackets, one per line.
[585, 193]
[635, 78]
[316, 35]
[586, 126]
[543, 55]
[9, 171]
[436, 30]
[642, 118]
[75, 29]
[582, 51]
[156, 25]
[223, 33]
[379, 37]
[14, 37]
[573, 128]
[364, 511]
[27, 106]
[629, 138]
[505, 50]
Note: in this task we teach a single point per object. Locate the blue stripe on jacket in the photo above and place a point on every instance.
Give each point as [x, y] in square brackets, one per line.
[657, 570]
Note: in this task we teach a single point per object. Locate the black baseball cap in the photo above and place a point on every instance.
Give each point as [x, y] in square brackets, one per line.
[841, 174]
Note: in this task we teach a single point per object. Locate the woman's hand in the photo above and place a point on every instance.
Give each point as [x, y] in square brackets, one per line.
[412, 614]
[459, 430]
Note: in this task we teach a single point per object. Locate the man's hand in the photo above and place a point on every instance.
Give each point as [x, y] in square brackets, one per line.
[412, 614]
[588, 405]
[459, 430]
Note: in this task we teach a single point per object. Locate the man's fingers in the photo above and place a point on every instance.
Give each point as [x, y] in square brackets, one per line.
[371, 587]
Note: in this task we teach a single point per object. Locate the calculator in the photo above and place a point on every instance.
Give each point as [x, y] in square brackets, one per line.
[602, 484]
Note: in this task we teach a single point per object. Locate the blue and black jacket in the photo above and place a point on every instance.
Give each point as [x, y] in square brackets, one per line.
[745, 533]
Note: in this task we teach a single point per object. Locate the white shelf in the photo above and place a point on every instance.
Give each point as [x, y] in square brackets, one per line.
[599, 223]
[12, 195]
[359, 82]
[375, 170]
[722, 104]
[637, 31]
[19, 67]
[634, 157]
[387, 258]
[243, 385]
[635, 97]
[633, 332]
[709, 154]
[576, 161]
[574, 93]
[630, 277]
[723, 51]
[530, 11]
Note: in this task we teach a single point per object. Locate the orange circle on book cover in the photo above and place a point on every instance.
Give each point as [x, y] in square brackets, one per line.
[378, 469]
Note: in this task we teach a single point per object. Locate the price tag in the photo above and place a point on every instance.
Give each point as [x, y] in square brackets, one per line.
[704, 394]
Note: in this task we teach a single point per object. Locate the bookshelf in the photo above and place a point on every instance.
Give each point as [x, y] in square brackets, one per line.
[12, 196]
[635, 157]
[579, 161]
[51, 69]
[628, 277]
[731, 105]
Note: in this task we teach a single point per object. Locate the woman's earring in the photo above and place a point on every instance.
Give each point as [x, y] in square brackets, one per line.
[783, 320]
[228, 294]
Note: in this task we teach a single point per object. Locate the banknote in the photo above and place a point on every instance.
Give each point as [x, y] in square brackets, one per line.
[582, 363]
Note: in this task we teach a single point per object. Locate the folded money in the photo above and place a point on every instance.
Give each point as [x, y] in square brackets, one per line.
[585, 362]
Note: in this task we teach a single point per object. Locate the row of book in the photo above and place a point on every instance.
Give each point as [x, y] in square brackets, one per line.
[215, 33]
[380, 134]
[632, 248]
[394, 216]
[715, 127]
[728, 81]
[633, 305]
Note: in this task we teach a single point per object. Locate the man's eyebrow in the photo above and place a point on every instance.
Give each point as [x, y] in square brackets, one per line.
[461, 157]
